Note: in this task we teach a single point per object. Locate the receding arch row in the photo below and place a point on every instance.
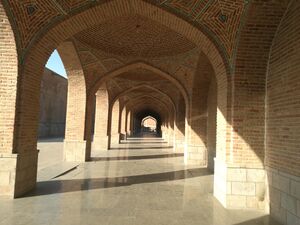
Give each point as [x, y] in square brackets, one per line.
[30, 79]
[140, 65]
[27, 105]
[149, 117]
[140, 100]
[141, 87]
[66, 29]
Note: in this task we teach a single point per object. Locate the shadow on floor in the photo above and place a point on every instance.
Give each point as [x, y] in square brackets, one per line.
[265, 220]
[143, 142]
[55, 139]
[145, 148]
[63, 186]
[140, 157]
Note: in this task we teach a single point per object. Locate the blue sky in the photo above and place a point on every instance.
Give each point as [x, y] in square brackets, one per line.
[55, 64]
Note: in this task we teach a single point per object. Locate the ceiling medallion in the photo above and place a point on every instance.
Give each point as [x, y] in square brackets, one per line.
[31, 8]
[223, 18]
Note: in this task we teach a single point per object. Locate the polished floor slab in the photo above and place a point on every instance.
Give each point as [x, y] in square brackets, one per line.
[137, 184]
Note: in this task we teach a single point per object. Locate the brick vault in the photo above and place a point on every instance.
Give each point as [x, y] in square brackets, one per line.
[219, 79]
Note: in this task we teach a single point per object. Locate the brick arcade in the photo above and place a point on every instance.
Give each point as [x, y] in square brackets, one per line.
[221, 79]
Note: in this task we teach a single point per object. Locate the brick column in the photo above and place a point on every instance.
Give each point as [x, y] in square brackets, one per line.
[128, 122]
[123, 124]
[195, 138]
[179, 144]
[74, 143]
[167, 132]
[196, 128]
[239, 180]
[115, 124]
[171, 133]
[179, 136]
[101, 120]
[211, 124]
[8, 90]
[131, 124]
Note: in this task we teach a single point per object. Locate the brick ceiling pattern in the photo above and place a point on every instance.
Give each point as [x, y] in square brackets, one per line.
[142, 75]
[221, 18]
[97, 63]
[126, 82]
[135, 36]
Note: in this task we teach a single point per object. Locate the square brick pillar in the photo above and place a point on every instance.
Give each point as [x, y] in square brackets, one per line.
[196, 150]
[165, 133]
[170, 135]
[123, 124]
[128, 122]
[100, 141]
[179, 142]
[74, 143]
[240, 180]
[114, 138]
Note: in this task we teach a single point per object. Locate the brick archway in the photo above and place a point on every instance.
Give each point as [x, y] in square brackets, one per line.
[148, 87]
[33, 62]
[136, 101]
[37, 56]
[140, 65]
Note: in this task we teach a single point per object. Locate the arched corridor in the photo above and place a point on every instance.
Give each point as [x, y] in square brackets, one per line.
[142, 181]
[195, 98]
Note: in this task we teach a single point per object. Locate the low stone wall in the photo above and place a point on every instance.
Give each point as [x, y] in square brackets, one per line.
[284, 195]
[53, 103]
[238, 187]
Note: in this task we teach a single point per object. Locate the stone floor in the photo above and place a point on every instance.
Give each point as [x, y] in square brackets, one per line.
[139, 183]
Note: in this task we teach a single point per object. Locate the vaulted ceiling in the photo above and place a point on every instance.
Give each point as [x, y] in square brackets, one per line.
[220, 19]
[135, 36]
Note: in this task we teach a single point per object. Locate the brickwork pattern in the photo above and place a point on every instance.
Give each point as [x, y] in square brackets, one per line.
[8, 81]
[53, 105]
[100, 141]
[282, 120]
[184, 95]
[115, 125]
[247, 146]
[282, 96]
[219, 18]
[211, 123]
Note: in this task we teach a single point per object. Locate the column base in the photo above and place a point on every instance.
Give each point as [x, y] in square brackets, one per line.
[179, 147]
[196, 155]
[18, 173]
[100, 144]
[114, 140]
[284, 196]
[170, 140]
[239, 187]
[75, 151]
[122, 136]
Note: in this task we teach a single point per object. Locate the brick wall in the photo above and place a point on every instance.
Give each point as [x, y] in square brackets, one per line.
[283, 119]
[249, 83]
[53, 103]
[100, 141]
